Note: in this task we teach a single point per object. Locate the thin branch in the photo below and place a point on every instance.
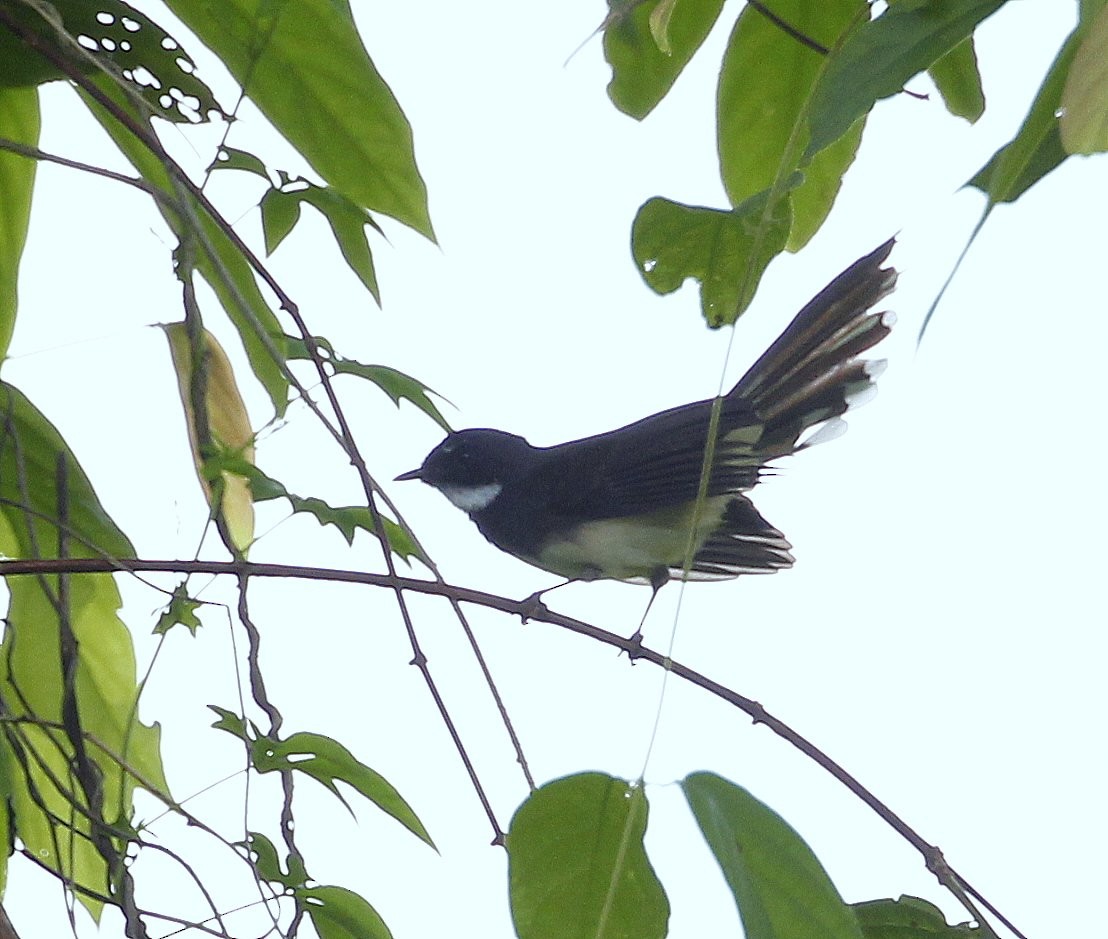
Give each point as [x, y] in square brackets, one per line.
[788, 28]
[528, 610]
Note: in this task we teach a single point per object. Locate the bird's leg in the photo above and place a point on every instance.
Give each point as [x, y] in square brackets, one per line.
[659, 577]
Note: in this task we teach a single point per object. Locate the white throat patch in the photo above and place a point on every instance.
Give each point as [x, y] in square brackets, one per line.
[472, 498]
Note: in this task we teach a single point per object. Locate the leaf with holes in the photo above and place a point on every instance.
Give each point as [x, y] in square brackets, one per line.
[727, 252]
[110, 34]
[327, 761]
[338, 913]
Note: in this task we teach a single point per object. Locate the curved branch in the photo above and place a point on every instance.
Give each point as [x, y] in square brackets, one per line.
[538, 612]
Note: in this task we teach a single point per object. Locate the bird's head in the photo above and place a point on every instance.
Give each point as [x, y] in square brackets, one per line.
[470, 467]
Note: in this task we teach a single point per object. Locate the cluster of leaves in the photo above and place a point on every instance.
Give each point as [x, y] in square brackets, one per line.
[797, 83]
[796, 87]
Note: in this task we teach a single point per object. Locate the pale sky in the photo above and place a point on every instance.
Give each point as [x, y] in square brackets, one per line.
[942, 634]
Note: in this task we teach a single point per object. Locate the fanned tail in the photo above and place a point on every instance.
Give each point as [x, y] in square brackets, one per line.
[812, 374]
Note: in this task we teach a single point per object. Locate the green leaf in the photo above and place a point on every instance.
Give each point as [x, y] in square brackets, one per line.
[232, 723]
[908, 918]
[395, 384]
[328, 761]
[19, 121]
[38, 510]
[727, 252]
[338, 913]
[348, 222]
[305, 67]
[577, 866]
[878, 58]
[959, 81]
[1084, 121]
[347, 519]
[280, 213]
[812, 200]
[780, 888]
[644, 69]
[268, 865]
[765, 84]
[1037, 147]
[221, 264]
[111, 35]
[231, 158]
[181, 610]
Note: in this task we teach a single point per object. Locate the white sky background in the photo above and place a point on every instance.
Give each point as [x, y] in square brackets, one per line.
[941, 634]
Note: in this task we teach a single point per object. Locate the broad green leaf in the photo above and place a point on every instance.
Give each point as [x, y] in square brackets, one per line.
[305, 67]
[959, 81]
[7, 771]
[812, 200]
[110, 34]
[221, 264]
[227, 425]
[764, 87]
[327, 761]
[19, 121]
[908, 918]
[879, 57]
[780, 888]
[34, 500]
[1084, 121]
[727, 252]
[397, 385]
[648, 47]
[338, 913]
[577, 867]
[1037, 147]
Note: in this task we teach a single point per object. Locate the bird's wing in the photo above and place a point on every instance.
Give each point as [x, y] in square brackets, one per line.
[652, 464]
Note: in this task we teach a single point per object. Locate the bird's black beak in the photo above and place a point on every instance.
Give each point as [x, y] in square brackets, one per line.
[412, 474]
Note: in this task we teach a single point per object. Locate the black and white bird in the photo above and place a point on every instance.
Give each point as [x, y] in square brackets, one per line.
[624, 504]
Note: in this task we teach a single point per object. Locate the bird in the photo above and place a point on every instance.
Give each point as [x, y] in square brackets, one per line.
[635, 504]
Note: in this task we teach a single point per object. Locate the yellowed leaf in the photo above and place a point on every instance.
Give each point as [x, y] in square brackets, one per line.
[228, 426]
[1083, 123]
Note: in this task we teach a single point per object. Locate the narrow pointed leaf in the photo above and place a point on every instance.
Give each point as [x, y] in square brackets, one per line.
[576, 863]
[780, 888]
[879, 57]
[396, 384]
[19, 121]
[1037, 147]
[327, 761]
[959, 81]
